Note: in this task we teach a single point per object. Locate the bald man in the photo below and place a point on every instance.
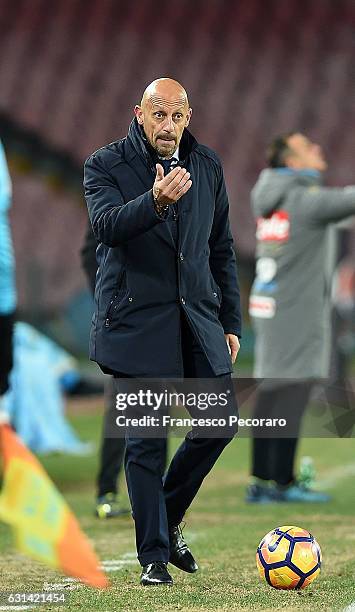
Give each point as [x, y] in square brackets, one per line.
[167, 301]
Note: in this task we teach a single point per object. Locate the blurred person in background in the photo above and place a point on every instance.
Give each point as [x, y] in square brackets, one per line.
[7, 279]
[31, 358]
[167, 299]
[290, 303]
[340, 392]
[112, 449]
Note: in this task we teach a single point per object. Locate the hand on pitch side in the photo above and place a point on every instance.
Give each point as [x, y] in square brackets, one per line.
[233, 345]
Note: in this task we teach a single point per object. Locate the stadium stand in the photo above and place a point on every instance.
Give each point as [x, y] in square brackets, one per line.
[71, 71]
[48, 229]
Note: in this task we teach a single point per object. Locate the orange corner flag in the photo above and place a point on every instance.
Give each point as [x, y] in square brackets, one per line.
[43, 524]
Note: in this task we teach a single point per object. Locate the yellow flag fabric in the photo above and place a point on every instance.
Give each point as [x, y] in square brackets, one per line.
[43, 524]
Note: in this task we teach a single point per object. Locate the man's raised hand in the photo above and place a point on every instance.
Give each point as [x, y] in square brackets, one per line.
[170, 188]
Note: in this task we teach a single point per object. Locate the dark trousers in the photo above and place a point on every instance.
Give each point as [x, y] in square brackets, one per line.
[274, 458]
[113, 449]
[157, 501]
[6, 350]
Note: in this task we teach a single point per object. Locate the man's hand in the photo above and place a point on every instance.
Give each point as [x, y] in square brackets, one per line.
[170, 188]
[233, 345]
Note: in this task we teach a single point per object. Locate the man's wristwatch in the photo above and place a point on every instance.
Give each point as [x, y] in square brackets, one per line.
[160, 209]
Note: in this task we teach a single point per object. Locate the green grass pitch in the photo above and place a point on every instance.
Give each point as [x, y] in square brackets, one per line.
[223, 532]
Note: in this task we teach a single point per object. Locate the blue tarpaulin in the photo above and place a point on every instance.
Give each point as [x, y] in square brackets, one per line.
[35, 401]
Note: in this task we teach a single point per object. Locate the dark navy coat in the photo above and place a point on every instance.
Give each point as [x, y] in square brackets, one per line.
[144, 278]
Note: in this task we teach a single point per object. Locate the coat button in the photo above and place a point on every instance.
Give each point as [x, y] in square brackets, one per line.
[215, 294]
[181, 257]
[130, 299]
[183, 301]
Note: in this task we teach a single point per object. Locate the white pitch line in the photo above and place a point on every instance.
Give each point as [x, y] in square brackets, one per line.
[108, 565]
[334, 475]
[114, 565]
[66, 584]
[111, 562]
[120, 564]
[17, 607]
[130, 555]
[70, 584]
[129, 558]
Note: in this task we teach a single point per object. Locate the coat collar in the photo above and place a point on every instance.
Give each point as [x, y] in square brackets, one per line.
[142, 158]
[138, 145]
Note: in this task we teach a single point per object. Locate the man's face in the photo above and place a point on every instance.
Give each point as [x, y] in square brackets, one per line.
[304, 154]
[164, 118]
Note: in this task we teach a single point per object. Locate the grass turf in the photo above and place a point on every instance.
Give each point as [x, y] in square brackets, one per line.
[224, 533]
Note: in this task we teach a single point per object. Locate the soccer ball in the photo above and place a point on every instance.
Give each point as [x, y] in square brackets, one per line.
[288, 558]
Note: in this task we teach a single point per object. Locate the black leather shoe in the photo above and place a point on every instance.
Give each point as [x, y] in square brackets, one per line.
[180, 554]
[155, 573]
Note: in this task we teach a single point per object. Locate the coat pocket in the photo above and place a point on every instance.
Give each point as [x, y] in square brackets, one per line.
[116, 299]
[216, 291]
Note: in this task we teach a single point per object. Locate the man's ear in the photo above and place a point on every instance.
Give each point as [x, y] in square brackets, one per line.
[188, 117]
[139, 114]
